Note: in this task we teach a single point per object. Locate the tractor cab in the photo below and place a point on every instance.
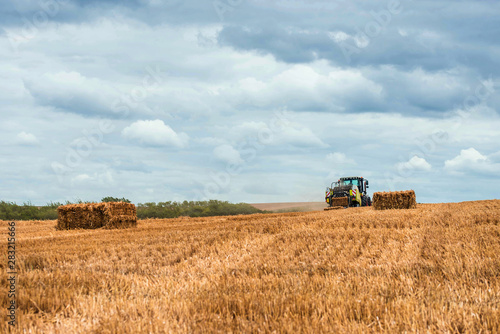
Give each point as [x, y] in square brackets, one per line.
[358, 181]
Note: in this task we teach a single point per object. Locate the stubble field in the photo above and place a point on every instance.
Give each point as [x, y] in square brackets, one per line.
[434, 268]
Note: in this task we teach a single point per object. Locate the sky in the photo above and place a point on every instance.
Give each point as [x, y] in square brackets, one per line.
[248, 100]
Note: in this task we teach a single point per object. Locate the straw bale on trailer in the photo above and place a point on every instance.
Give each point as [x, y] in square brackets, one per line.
[394, 200]
[96, 215]
[340, 201]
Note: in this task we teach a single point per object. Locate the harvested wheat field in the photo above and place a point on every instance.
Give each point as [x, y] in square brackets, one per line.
[435, 268]
[290, 206]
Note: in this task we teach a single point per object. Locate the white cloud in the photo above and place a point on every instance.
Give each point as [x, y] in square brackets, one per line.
[290, 133]
[299, 136]
[212, 141]
[81, 178]
[248, 129]
[101, 178]
[471, 160]
[465, 159]
[338, 36]
[311, 87]
[338, 158]
[415, 163]
[155, 133]
[227, 153]
[71, 91]
[28, 139]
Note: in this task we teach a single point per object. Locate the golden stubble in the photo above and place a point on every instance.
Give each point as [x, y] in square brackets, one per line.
[435, 268]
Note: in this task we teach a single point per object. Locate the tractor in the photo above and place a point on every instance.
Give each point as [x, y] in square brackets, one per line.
[348, 192]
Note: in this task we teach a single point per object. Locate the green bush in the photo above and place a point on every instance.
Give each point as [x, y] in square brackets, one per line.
[115, 199]
[27, 211]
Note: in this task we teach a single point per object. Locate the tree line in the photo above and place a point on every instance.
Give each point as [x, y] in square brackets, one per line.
[27, 211]
[193, 209]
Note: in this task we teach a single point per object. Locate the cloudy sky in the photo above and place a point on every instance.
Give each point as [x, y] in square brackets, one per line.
[248, 100]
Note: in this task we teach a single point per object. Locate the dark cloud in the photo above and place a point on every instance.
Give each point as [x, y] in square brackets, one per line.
[432, 35]
[282, 44]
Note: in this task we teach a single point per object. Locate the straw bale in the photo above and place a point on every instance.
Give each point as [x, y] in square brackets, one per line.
[340, 201]
[96, 215]
[394, 200]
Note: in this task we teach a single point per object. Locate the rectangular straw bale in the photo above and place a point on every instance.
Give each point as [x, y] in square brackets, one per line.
[394, 200]
[122, 215]
[121, 221]
[96, 215]
[340, 201]
[79, 216]
[121, 208]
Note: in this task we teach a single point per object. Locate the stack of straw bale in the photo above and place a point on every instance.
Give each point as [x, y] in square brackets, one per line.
[96, 215]
[394, 200]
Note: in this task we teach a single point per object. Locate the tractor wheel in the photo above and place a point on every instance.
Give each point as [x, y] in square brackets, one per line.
[364, 201]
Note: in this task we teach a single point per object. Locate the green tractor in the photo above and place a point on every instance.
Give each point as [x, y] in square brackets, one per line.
[348, 192]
